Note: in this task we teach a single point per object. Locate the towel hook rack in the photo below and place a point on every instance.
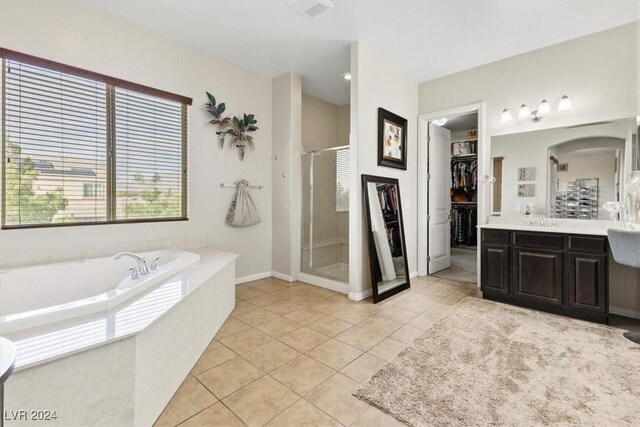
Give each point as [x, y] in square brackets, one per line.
[223, 185]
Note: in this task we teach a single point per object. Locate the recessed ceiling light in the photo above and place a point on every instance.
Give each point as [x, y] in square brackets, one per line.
[440, 122]
[347, 76]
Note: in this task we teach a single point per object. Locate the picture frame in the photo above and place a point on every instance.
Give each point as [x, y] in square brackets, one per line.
[392, 140]
[527, 174]
[526, 190]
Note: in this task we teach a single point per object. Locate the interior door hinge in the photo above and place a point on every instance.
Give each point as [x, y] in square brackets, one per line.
[428, 258]
[428, 218]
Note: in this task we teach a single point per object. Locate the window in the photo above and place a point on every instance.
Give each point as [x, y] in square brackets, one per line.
[342, 180]
[80, 147]
[93, 190]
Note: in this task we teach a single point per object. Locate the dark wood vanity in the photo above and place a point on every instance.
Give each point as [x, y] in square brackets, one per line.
[555, 272]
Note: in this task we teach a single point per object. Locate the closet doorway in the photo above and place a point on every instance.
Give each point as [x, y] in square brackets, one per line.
[452, 156]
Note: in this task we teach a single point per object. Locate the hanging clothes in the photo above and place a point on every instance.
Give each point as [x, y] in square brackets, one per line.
[242, 212]
[464, 174]
[464, 220]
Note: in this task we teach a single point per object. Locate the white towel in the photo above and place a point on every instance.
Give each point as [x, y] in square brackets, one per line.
[242, 212]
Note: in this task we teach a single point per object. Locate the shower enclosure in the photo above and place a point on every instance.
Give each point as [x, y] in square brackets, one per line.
[325, 213]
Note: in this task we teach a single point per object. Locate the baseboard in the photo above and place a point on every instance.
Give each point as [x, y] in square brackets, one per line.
[625, 312]
[253, 277]
[359, 296]
[282, 276]
[413, 274]
[324, 283]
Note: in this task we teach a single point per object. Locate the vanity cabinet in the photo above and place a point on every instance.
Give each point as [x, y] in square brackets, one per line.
[560, 273]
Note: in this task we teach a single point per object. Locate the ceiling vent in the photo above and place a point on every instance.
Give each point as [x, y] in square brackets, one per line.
[311, 8]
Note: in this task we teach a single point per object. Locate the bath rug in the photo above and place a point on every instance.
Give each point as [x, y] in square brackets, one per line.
[486, 363]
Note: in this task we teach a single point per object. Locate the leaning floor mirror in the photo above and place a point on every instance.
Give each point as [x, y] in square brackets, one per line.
[387, 249]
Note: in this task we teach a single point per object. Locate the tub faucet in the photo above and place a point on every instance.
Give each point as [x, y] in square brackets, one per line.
[142, 263]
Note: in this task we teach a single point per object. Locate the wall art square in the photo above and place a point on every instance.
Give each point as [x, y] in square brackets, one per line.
[526, 174]
[526, 190]
[392, 140]
[563, 167]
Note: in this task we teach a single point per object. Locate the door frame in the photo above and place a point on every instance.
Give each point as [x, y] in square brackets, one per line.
[484, 168]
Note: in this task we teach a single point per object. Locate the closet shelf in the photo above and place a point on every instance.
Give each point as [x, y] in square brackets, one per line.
[462, 156]
[465, 140]
[464, 203]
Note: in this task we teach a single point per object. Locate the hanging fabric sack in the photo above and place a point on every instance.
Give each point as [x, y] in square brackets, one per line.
[242, 212]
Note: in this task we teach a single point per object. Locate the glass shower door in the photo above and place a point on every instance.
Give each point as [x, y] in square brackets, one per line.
[325, 216]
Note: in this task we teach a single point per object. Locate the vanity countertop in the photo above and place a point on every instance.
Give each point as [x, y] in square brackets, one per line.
[601, 230]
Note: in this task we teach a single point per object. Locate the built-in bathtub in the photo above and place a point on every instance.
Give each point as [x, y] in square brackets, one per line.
[102, 349]
[44, 294]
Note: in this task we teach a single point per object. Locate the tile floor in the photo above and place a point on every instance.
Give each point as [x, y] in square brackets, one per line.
[291, 354]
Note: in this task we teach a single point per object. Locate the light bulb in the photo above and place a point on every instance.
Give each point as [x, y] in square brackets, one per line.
[440, 122]
[347, 76]
[506, 116]
[565, 103]
[544, 108]
[524, 112]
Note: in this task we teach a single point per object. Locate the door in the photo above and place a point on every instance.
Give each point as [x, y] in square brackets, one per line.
[537, 275]
[495, 269]
[439, 158]
[587, 278]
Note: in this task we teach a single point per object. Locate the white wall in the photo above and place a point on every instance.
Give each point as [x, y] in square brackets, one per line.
[599, 72]
[70, 33]
[377, 83]
[287, 92]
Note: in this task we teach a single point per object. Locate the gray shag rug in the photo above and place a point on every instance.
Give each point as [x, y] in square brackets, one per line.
[486, 363]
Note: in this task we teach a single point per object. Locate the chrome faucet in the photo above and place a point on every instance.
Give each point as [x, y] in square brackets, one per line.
[142, 263]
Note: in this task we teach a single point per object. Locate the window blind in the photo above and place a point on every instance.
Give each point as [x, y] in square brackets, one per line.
[83, 148]
[342, 180]
[149, 156]
[55, 143]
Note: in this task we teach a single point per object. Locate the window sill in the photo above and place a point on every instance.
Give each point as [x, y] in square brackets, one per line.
[80, 224]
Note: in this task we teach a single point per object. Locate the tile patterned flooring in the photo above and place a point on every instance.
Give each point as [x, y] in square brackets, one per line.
[291, 354]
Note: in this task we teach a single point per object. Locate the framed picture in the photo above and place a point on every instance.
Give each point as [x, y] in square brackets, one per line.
[526, 190]
[392, 140]
[526, 174]
[563, 167]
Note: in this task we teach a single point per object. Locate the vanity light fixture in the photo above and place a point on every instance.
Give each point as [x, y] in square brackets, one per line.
[524, 112]
[440, 122]
[346, 76]
[564, 104]
[544, 108]
[507, 115]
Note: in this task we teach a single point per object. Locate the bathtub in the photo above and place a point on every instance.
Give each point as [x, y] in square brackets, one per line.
[45, 294]
[109, 367]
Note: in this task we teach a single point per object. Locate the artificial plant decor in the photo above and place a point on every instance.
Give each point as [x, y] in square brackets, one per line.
[236, 128]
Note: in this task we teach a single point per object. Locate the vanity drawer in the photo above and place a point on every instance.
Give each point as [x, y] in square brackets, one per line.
[547, 240]
[588, 243]
[495, 236]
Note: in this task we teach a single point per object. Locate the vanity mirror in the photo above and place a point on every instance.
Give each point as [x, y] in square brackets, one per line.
[387, 249]
[577, 169]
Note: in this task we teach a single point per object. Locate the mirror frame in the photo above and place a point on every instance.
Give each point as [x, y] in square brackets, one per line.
[374, 263]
